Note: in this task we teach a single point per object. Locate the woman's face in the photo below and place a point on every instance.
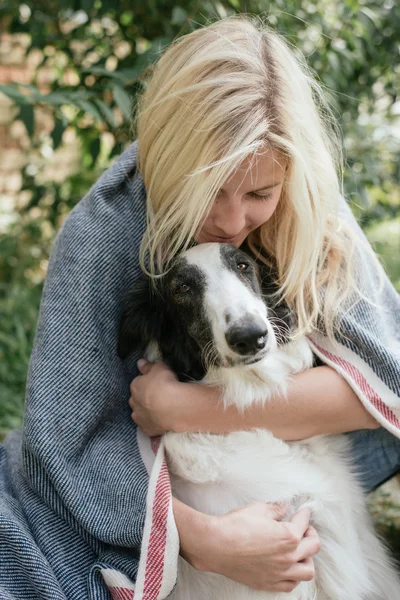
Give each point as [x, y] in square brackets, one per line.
[246, 200]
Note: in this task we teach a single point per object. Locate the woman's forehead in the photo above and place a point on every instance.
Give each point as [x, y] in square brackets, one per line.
[258, 171]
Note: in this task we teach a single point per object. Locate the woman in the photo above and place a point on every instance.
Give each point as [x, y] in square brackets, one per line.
[231, 147]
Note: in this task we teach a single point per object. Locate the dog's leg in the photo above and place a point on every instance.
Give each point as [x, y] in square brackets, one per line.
[352, 563]
[383, 573]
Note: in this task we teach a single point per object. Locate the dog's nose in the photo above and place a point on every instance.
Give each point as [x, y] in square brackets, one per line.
[248, 339]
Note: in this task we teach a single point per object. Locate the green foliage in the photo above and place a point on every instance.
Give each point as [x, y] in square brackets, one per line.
[23, 252]
[385, 238]
[385, 511]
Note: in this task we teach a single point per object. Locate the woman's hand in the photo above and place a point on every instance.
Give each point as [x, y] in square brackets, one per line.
[160, 403]
[264, 553]
[153, 398]
[250, 545]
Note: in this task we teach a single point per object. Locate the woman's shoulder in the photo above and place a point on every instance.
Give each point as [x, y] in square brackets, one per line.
[101, 237]
[113, 209]
[122, 178]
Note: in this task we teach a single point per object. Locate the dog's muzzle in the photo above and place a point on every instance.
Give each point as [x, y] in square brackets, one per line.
[247, 339]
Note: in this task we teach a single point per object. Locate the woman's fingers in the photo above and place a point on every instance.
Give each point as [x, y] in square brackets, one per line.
[298, 525]
[284, 586]
[144, 366]
[302, 571]
[309, 545]
[277, 510]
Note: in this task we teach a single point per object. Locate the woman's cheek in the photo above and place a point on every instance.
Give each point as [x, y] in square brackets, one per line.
[203, 226]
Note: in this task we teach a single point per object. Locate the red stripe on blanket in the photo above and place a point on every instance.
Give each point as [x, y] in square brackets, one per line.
[364, 386]
[158, 536]
[118, 593]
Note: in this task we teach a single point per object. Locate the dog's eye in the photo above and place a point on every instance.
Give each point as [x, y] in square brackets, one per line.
[242, 266]
[182, 289]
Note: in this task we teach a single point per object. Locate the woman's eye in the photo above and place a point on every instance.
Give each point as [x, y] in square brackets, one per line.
[260, 197]
[182, 289]
[242, 266]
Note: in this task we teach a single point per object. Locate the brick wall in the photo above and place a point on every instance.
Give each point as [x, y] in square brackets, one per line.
[15, 146]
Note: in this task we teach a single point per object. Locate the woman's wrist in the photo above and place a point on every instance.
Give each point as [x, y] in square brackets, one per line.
[250, 544]
[202, 410]
[199, 536]
[319, 401]
[194, 401]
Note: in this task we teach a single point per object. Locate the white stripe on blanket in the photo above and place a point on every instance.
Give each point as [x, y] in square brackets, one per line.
[157, 571]
[377, 398]
[120, 586]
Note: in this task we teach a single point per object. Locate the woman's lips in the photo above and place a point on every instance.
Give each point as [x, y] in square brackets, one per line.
[214, 238]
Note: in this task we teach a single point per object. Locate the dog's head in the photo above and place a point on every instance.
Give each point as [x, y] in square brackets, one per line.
[213, 308]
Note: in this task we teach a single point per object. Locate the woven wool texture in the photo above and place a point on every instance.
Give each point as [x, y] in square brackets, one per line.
[75, 496]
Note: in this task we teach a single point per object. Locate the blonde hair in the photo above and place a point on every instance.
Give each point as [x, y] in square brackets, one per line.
[215, 97]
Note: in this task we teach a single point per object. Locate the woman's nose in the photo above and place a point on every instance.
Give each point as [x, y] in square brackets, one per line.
[229, 217]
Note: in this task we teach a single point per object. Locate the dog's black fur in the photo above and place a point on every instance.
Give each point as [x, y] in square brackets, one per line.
[160, 312]
[146, 318]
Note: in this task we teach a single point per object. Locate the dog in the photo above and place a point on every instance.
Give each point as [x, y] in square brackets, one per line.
[214, 318]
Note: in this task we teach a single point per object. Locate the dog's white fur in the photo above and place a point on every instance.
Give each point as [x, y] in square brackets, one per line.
[217, 473]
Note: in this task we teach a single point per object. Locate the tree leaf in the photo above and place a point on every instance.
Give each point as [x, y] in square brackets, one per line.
[100, 71]
[57, 98]
[13, 92]
[122, 75]
[27, 115]
[34, 92]
[129, 74]
[90, 108]
[122, 100]
[94, 148]
[107, 112]
[56, 134]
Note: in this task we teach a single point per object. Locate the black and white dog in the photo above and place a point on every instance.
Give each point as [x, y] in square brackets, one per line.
[211, 319]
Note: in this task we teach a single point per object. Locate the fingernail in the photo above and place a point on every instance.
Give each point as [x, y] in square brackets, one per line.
[141, 362]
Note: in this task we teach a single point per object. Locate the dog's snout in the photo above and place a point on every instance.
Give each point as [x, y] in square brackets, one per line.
[247, 339]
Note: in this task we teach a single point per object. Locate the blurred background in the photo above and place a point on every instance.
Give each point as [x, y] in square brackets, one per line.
[69, 74]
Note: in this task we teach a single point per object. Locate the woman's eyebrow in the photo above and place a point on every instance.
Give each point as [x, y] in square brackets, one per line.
[262, 189]
[268, 187]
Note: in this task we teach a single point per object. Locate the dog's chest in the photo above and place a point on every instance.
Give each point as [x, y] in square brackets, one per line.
[215, 473]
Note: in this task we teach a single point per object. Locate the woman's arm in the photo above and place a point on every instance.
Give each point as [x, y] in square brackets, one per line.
[319, 401]
[250, 545]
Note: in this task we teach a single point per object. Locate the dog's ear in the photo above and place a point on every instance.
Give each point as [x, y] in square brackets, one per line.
[283, 316]
[140, 320]
[183, 357]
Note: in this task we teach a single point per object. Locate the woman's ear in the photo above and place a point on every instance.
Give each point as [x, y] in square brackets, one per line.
[140, 320]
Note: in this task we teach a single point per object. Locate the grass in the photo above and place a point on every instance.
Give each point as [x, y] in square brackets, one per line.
[18, 313]
[384, 505]
[385, 238]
